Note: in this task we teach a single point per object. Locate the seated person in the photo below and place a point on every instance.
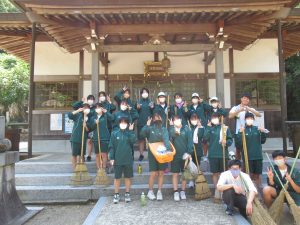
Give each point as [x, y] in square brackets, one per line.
[234, 184]
[283, 170]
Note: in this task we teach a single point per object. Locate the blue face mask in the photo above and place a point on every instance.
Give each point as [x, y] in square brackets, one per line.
[235, 172]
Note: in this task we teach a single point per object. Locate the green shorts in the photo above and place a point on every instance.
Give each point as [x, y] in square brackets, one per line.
[154, 165]
[139, 128]
[216, 165]
[76, 148]
[103, 145]
[255, 166]
[127, 170]
[177, 166]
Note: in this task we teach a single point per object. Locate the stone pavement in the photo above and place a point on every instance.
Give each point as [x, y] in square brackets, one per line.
[167, 212]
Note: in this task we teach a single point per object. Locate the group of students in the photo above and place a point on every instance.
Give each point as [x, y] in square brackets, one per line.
[198, 125]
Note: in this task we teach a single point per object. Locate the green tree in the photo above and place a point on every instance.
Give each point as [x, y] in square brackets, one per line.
[293, 91]
[14, 80]
[6, 6]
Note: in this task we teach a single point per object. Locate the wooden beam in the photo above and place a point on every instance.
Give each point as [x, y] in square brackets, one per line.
[219, 64]
[156, 29]
[158, 48]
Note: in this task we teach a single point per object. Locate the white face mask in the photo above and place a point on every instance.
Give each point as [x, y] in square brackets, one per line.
[102, 98]
[195, 101]
[123, 126]
[86, 111]
[279, 162]
[194, 122]
[177, 123]
[215, 104]
[178, 100]
[123, 107]
[145, 95]
[249, 122]
[215, 121]
[98, 110]
[162, 99]
[126, 95]
[90, 102]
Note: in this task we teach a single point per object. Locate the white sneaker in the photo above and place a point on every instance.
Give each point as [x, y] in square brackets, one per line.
[176, 196]
[182, 195]
[191, 184]
[151, 195]
[159, 196]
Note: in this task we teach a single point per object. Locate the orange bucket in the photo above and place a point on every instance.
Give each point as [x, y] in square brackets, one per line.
[162, 158]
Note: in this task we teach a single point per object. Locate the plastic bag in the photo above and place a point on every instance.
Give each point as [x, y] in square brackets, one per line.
[190, 172]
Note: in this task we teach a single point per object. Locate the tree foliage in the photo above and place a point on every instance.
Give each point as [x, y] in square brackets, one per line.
[6, 6]
[14, 80]
[293, 91]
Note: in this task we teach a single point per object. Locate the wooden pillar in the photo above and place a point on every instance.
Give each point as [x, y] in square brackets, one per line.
[106, 73]
[81, 73]
[206, 73]
[31, 88]
[156, 56]
[232, 80]
[282, 86]
[219, 74]
[95, 73]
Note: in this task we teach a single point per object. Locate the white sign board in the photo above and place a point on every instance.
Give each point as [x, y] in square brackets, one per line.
[55, 121]
[260, 121]
[68, 125]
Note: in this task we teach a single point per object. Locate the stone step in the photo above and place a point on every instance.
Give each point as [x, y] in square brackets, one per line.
[29, 167]
[65, 178]
[63, 194]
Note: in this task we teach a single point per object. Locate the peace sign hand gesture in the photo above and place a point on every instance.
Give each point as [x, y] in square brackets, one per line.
[131, 125]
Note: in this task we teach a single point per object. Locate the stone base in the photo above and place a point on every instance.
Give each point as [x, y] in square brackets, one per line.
[11, 207]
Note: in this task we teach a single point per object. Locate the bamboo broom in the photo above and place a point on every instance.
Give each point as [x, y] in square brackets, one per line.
[223, 146]
[202, 190]
[260, 215]
[101, 178]
[81, 175]
[246, 159]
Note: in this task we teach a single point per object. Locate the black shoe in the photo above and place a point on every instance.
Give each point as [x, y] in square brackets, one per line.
[141, 158]
[229, 211]
[89, 158]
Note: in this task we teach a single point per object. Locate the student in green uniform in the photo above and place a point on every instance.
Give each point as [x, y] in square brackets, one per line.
[102, 118]
[104, 99]
[283, 170]
[161, 107]
[155, 132]
[80, 118]
[255, 137]
[201, 108]
[216, 107]
[124, 95]
[121, 156]
[214, 136]
[181, 137]
[144, 107]
[197, 133]
[179, 108]
[125, 111]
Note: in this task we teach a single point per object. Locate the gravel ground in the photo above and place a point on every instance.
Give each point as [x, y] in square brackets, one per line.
[62, 214]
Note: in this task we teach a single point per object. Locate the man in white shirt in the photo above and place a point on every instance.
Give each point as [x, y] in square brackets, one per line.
[234, 184]
[238, 113]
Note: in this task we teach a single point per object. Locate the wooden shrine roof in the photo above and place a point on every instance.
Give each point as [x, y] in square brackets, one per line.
[134, 22]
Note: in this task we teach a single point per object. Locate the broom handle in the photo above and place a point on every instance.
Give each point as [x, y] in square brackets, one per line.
[82, 139]
[168, 105]
[195, 153]
[294, 164]
[223, 147]
[275, 172]
[98, 133]
[245, 152]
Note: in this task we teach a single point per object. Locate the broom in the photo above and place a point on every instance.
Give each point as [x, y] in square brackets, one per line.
[246, 162]
[101, 178]
[202, 190]
[224, 138]
[276, 208]
[260, 215]
[81, 175]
